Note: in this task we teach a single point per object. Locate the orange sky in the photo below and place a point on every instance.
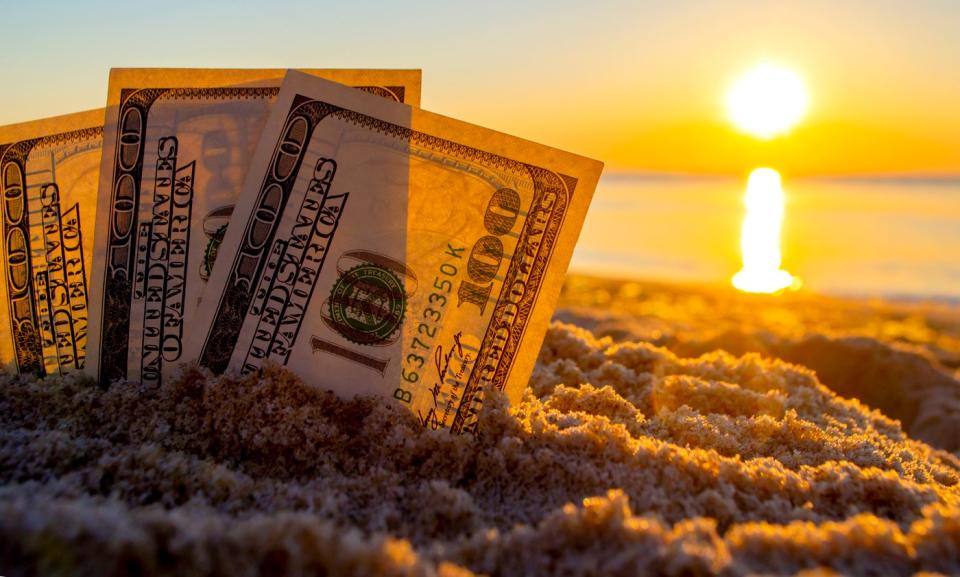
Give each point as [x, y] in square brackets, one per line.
[883, 77]
[816, 148]
[636, 84]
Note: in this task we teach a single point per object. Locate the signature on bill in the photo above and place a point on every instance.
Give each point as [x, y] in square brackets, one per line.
[442, 361]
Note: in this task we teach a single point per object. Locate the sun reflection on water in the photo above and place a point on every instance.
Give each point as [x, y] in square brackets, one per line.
[760, 236]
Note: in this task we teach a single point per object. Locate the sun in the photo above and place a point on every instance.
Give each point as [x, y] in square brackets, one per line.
[767, 100]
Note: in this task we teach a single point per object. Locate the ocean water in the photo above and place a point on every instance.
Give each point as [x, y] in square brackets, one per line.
[851, 236]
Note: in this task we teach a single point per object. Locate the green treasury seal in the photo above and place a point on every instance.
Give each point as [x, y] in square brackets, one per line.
[367, 304]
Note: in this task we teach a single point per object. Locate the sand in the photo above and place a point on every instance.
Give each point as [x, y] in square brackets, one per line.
[640, 447]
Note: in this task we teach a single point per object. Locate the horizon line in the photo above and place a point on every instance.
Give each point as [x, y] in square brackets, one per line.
[948, 178]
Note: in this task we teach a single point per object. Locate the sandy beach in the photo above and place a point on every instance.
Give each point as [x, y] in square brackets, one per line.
[667, 429]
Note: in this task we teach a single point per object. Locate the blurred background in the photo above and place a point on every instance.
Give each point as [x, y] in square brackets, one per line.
[853, 104]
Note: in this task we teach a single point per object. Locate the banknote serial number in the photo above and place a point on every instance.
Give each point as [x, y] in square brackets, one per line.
[429, 322]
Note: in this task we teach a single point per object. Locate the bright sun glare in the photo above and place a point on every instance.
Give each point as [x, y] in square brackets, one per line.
[767, 100]
[760, 236]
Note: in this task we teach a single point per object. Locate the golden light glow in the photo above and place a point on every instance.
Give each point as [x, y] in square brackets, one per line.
[767, 100]
[760, 236]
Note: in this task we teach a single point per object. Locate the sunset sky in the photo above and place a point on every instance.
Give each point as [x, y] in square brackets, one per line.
[639, 85]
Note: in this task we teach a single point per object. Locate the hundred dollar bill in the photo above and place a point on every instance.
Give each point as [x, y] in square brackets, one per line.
[380, 249]
[177, 144]
[48, 176]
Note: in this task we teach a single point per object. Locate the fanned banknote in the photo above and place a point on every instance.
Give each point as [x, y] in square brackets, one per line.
[48, 175]
[177, 143]
[380, 249]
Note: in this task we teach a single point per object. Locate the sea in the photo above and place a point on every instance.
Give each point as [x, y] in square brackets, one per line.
[891, 237]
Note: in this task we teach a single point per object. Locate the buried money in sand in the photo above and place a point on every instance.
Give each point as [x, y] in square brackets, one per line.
[480, 290]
